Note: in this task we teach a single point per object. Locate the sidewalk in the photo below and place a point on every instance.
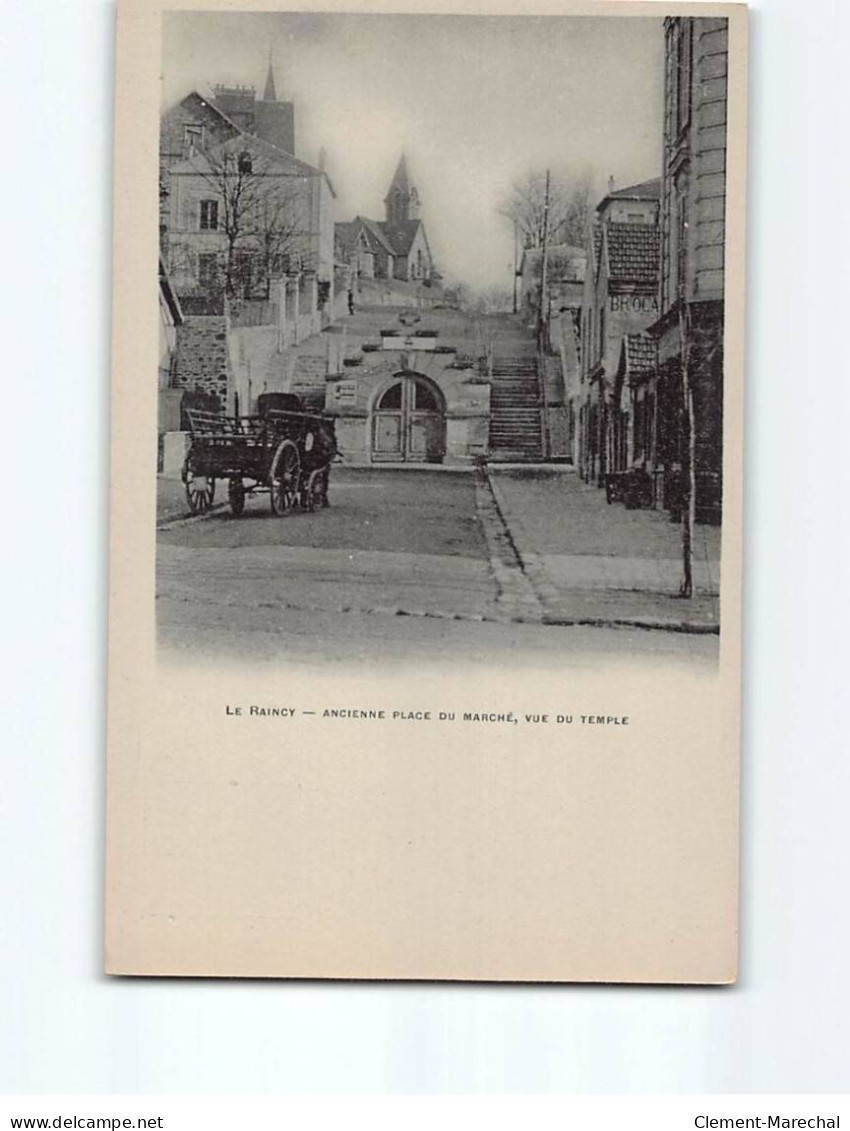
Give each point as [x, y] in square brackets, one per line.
[595, 563]
[171, 499]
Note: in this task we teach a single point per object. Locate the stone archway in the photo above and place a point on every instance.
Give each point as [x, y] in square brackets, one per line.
[409, 421]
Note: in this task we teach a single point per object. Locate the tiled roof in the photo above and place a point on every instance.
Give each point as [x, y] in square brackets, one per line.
[633, 252]
[395, 239]
[376, 232]
[640, 356]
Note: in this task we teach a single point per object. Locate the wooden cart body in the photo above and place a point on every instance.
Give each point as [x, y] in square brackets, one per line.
[286, 452]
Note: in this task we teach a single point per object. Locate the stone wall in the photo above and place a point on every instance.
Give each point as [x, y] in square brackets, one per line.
[201, 362]
[351, 397]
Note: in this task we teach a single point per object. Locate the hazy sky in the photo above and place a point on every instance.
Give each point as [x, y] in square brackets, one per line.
[474, 102]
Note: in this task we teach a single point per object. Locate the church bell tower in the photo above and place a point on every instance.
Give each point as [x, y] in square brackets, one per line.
[402, 199]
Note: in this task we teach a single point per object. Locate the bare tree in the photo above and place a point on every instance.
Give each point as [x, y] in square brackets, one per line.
[569, 199]
[708, 356]
[261, 215]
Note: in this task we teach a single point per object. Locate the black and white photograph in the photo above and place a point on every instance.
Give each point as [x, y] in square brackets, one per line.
[441, 358]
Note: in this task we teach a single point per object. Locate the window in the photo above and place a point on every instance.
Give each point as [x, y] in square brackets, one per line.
[246, 164]
[391, 400]
[682, 62]
[193, 137]
[209, 215]
[424, 398]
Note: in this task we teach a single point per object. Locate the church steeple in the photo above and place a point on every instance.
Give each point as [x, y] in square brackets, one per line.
[269, 94]
[402, 200]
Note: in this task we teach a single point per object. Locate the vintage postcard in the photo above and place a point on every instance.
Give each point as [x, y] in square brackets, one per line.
[425, 592]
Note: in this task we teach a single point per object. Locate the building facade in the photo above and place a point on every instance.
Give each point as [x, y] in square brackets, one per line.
[620, 299]
[242, 214]
[238, 208]
[689, 331]
[410, 393]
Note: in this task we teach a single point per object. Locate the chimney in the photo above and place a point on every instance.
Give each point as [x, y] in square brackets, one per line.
[610, 184]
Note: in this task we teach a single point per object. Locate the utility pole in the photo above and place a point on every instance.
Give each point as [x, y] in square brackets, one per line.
[544, 264]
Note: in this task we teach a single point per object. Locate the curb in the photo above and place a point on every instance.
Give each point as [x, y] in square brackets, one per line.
[516, 593]
[547, 594]
[688, 628]
[190, 519]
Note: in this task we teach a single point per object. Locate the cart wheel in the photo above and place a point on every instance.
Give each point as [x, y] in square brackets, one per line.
[236, 496]
[200, 490]
[284, 478]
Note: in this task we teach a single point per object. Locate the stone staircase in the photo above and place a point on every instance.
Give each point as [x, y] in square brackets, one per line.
[516, 434]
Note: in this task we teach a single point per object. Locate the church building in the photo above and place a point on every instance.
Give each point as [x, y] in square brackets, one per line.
[393, 248]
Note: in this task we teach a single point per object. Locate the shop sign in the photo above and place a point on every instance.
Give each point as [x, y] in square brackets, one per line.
[634, 304]
[345, 392]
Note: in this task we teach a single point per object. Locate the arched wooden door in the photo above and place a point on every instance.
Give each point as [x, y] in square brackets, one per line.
[409, 422]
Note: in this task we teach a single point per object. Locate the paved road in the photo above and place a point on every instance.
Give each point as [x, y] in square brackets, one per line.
[406, 566]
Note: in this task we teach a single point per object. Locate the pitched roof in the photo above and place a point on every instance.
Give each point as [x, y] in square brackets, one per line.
[394, 239]
[400, 179]
[270, 94]
[209, 104]
[272, 151]
[374, 229]
[638, 360]
[633, 252]
[252, 142]
[645, 190]
[401, 235]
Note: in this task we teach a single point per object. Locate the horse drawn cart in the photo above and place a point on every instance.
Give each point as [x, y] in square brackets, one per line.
[282, 450]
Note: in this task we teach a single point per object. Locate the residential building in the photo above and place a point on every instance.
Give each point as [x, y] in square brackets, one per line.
[689, 331]
[620, 298]
[238, 207]
[243, 213]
